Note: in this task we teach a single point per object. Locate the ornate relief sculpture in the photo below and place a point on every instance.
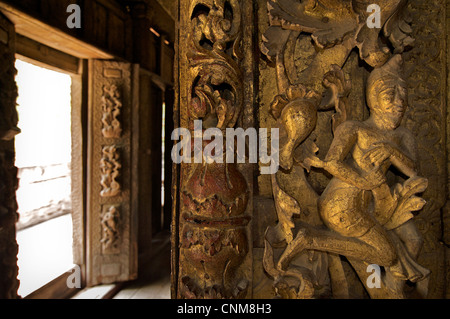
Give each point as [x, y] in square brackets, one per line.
[214, 196]
[110, 167]
[111, 106]
[110, 228]
[214, 55]
[214, 236]
[360, 214]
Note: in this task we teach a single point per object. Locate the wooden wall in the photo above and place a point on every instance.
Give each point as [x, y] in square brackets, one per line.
[117, 27]
[105, 24]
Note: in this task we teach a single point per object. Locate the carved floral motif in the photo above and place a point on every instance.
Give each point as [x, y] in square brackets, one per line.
[214, 234]
[214, 56]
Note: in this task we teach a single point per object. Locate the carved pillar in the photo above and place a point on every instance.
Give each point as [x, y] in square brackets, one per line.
[446, 211]
[112, 173]
[8, 172]
[214, 212]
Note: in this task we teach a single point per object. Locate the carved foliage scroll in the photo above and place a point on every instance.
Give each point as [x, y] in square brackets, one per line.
[425, 67]
[214, 56]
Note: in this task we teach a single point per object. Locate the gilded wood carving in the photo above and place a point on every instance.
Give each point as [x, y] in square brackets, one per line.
[425, 69]
[360, 214]
[362, 152]
[214, 197]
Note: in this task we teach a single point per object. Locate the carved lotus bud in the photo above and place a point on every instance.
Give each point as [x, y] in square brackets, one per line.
[215, 190]
[214, 236]
[299, 119]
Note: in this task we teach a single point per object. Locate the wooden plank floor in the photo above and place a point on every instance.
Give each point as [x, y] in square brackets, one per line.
[154, 279]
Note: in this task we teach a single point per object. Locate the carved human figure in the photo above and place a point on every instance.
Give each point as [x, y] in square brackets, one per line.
[111, 106]
[110, 167]
[110, 227]
[367, 219]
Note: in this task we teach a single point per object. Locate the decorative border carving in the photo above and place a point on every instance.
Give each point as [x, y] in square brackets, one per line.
[215, 208]
[425, 69]
[8, 218]
[110, 176]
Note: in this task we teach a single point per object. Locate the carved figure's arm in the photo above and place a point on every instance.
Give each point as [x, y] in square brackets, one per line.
[404, 160]
[343, 142]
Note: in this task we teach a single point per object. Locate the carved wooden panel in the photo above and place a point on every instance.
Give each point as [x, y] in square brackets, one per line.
[111, 214]
[213, 220]
[363, 117]
[289, 38]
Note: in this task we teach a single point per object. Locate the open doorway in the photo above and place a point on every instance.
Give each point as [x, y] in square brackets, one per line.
[43, 157]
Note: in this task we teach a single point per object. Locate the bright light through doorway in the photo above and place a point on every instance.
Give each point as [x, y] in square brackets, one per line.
[43, 156]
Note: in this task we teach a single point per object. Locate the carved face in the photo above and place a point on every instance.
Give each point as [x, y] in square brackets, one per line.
[392, 103]
[388, 102]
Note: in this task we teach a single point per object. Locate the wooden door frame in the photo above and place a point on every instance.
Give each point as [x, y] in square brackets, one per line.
[48, 47]
[40, 55]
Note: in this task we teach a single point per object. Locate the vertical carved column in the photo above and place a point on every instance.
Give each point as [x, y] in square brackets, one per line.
[425, 66]
[8, 217]
[111, 222]
[8, 172]
[215, 209]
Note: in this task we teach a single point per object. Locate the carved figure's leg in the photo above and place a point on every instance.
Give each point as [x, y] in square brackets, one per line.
[385, 203]
[373, 247]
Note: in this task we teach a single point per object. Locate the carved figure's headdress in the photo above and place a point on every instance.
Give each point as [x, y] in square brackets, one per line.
[391, 70]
